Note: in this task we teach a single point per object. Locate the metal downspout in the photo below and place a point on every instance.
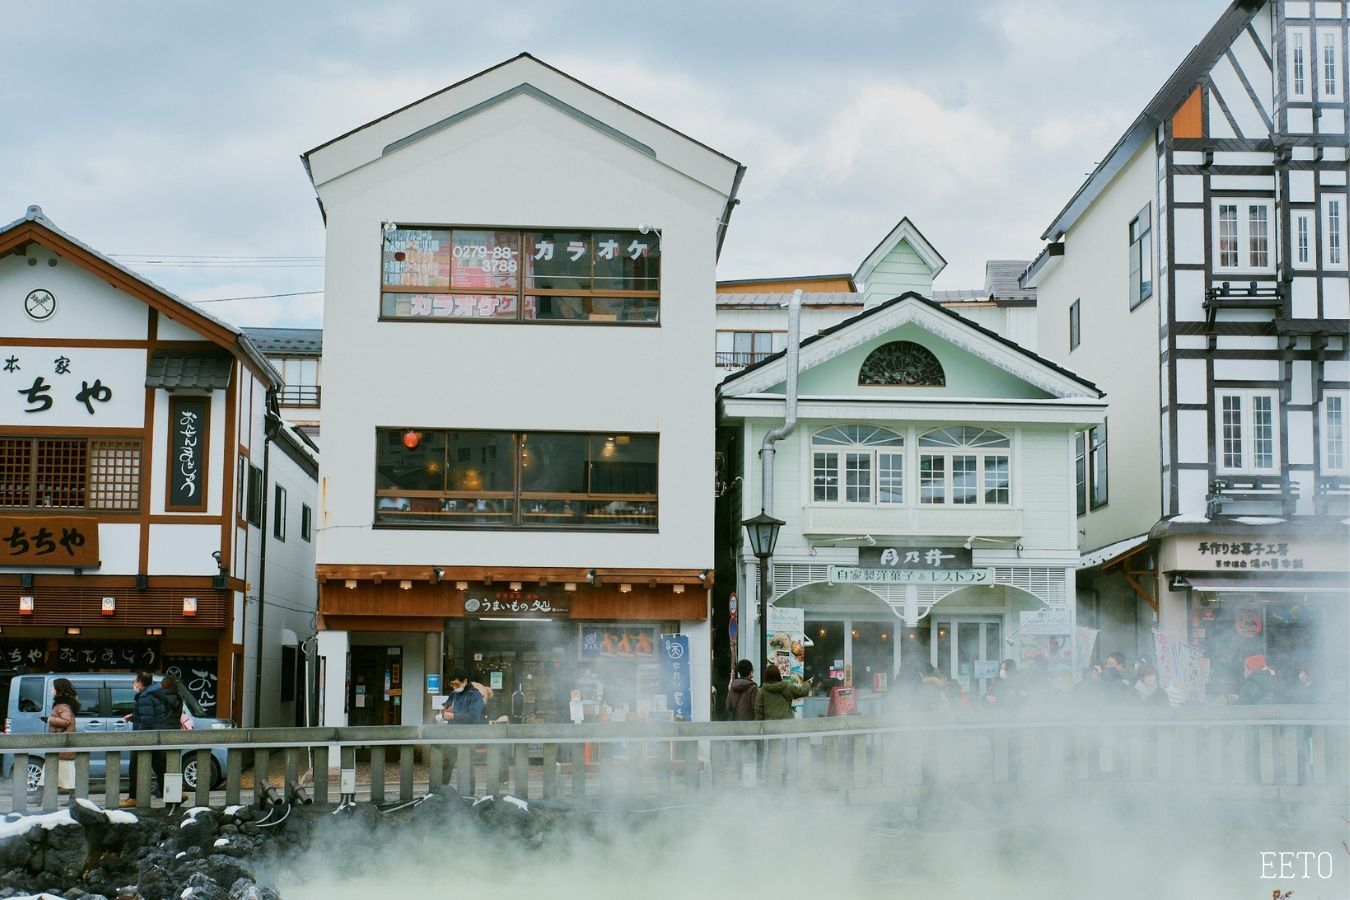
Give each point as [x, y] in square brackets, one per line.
[766, 450]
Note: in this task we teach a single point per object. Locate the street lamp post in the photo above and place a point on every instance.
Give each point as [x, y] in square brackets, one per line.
[763, 532]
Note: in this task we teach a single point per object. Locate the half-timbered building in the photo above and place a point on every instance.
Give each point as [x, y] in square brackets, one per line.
[154, 511]
[1199, 275]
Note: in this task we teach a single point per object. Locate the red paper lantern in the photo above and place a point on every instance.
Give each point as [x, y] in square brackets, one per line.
[411, 439]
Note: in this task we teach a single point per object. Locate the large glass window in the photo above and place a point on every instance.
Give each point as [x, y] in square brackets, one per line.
[70, 473]
[1141, 258]
[965, 465]
[871, 460]
[1097, 464]
[1242, 238]
[516, 479]
[1333, 432]
[745, 348]
[479, 274]
[1248, 431]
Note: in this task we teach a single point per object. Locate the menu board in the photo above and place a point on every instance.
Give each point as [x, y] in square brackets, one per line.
[417, 258]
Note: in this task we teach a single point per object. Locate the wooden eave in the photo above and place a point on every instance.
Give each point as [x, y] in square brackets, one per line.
[326, 572]
[30, 232]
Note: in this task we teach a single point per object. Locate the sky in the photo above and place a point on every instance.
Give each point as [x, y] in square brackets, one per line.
[166, 133]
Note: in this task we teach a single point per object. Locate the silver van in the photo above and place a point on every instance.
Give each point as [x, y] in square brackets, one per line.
[105, 697]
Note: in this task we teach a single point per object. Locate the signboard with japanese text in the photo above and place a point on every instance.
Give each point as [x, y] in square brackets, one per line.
[953, 577]
[70, 541]
[675, 675]
[197, 676]
[82, 387]
[189, 437]
[618, 641]
[915, 558]
[517, 605]
[787, 641]
[1255, 553]
[106, 656]
[29, 654]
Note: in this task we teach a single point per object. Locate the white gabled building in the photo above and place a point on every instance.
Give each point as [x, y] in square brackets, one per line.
[149, 495]
[518, 474]
[1199, 276]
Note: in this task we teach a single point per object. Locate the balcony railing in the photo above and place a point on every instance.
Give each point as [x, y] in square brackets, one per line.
[299, 395]
[740, 360]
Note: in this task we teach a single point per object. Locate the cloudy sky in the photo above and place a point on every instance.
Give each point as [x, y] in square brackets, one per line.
[171, 131]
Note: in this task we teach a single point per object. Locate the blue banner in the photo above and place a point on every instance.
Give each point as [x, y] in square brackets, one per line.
[675, 675]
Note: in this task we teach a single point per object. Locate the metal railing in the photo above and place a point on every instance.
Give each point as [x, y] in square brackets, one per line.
[299, 395]
[1295, 754]
[731, 360]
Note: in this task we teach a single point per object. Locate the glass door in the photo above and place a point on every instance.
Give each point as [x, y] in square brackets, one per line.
[967, 650]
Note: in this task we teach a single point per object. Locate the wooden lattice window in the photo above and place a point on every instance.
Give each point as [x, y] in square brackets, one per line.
[70, 473]
[902, 363]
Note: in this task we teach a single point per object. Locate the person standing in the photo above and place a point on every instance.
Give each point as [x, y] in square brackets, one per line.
[464, 705]
[149, 715]
[741, 693]
[61, 720]
[1260, 684]
[774, 698]
[173, 702]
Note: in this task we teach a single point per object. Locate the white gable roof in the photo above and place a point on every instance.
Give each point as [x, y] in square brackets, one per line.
[943, 323]
[903, 231]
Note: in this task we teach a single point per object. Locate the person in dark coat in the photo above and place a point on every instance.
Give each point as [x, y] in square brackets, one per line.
[775, 696]
[465, 704]
[150, 714]
[1260, 684]
[173, 702]
[741, 693]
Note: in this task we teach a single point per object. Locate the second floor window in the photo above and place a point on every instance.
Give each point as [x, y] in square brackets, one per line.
[1333, 229]
[1298, 56]
[963, 464]
[301, 377]
[857, 464]
[1242, 236]
[1075, 325]
[70, 473]
[506, 275]
[1141, 258]
[1247, 431]
[496, 479]
[1097, 465]
[745, 348]
[1333, 433]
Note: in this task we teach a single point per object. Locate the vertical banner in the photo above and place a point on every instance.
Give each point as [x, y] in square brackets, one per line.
[675, 675]
[188, 433]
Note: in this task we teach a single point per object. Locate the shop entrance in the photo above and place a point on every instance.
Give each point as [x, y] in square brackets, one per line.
[959, 644]
[531, 655]
[375, 687]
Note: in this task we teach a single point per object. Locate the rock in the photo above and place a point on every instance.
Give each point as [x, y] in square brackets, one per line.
[227, 870]
[202, 887]
[66, 854]
[198, 828]
[156, 883]
[244, 889]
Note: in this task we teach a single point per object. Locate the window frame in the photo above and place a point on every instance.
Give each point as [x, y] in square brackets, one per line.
[1298, 43]
[1246, 426]
[949, 456]
[89, 443]
[306, 523]
[279, 512]
[253, 515]
[1075, 324]
[1333, 230]
[522, 291]
[840, 452]
[1327, 66]
[645, 507]
[1098, 467]
[733, 358]
[1304, 239]
[1342, 399]
[1080, 472]
[1244, 206]
[1141, 256]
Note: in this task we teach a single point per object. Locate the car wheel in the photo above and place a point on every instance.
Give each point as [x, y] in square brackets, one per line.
[34, 775]
[190, 772]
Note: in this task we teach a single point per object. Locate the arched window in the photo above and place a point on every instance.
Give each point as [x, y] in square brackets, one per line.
[962, 464]
[902, 362]
[869, 459]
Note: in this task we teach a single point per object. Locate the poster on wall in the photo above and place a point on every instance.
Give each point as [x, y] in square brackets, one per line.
[618, 641]
[787, 641]
[1046, 642]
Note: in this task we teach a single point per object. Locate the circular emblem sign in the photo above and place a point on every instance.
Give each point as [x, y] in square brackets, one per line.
[471, 605]
[1248, 624]
[39, 304]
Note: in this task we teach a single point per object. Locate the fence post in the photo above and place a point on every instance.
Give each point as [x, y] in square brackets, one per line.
[234, 775]
[203, 792]
[377, 774]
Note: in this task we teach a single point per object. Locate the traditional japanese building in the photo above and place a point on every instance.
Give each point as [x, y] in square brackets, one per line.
[925, 482]
[517, 472]
[154, 511]
[1199, 275]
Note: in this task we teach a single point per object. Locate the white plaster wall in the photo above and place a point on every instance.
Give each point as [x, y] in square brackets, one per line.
[1116, 348]
[519, 376]
[86, 307]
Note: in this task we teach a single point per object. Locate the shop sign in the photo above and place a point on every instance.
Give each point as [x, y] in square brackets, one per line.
[70, 541]
[618, 641]
[197, 676]
[517, 605]
[1047, 621]
[28, 654]
[675, 675]
[72, 386]
[92, 656]
[1284, 553]
[953, 577]
[188, 417]
[915, 557]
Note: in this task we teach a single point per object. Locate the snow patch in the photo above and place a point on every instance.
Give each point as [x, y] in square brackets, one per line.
[1191, 519]
[27, 823]
[120, 816]
[233, 810]
[1259, 520]
[517, 802]
[221, 842]
[180, 854]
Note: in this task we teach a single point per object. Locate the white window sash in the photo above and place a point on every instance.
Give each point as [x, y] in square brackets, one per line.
[1247, 431]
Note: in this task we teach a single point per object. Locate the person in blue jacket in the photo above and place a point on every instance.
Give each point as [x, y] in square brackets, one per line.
[465, 704]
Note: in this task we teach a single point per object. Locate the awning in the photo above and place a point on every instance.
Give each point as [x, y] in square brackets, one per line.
[188, 371]
[1265, 584]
